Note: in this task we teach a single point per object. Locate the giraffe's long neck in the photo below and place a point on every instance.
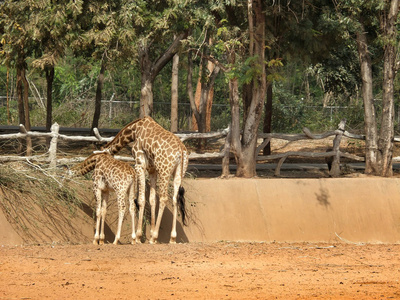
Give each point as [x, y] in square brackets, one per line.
[123, 138]
[89, 164]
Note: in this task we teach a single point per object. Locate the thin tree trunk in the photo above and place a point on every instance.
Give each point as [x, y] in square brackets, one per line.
[20, 96]
[7, 96]
[197, 97]
[174, 93]
[235, 121]
[210, 99]
[370, 126]
[26, 102]
[99, 89]
[385, 142]
[267, 127]
[146, 88]
[26, 112]
[189, 86]
[49, 107]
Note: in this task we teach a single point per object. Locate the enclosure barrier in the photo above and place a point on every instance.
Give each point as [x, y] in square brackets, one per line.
[335, 153]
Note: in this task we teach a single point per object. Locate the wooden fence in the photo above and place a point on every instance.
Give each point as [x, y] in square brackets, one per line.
[335, 153]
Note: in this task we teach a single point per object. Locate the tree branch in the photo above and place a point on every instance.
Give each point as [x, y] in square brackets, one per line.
[168, 54]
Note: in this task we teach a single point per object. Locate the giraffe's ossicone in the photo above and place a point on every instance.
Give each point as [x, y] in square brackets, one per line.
[163, 155]
[110, 175]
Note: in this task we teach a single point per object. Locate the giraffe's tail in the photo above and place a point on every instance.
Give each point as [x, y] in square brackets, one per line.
[136, 204]
[181, 204]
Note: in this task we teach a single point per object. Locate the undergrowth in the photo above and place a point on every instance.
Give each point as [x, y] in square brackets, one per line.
[46, 189]
[36, 202]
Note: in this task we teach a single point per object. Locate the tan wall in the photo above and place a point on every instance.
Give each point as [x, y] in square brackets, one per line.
[358, 210]
[294, 210]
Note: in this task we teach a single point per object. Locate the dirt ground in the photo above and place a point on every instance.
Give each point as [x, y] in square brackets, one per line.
[225, 270]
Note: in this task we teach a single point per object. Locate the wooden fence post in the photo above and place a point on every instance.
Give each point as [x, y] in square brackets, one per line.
[227, 150]
[335, 169]
[53, 145]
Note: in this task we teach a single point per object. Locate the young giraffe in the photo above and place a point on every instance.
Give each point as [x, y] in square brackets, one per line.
[110, 174]
[163, 155]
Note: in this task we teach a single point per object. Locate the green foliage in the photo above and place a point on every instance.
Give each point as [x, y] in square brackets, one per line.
[310, 52]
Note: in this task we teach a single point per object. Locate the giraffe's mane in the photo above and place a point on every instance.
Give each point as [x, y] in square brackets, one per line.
[120, 132]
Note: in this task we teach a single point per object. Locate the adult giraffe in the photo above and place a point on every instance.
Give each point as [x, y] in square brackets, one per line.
[163, 155]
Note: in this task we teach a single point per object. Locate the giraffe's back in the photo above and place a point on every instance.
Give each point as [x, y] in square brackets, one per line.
[163, 148]
[116, 174]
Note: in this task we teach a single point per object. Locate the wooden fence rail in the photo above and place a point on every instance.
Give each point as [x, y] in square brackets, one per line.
[51, 156]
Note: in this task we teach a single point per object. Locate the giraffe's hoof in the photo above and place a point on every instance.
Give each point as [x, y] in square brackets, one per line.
[172, 241]
[95, 242]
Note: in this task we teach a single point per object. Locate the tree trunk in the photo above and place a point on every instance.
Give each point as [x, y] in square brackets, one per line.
[370, 126]
[150, 70]
[49, 107]
[189, 84]
[23, 103]
[8, 96]
[99, 89]
[26, 108]
[235, 121]
[209, 101]
[20, 96]
[203, 91]
[197, 97]
[386, 135]
[146, 87]
[174, 93]
[267, 127]
[247, 163]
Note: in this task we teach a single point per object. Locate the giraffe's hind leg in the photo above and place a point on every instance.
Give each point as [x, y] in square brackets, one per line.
[177, 183]
[152, 200]
[98, 195]
[140, 169]
[163, 194]
[101, 210]
[103, 217]
[132, 208]
[121, 214]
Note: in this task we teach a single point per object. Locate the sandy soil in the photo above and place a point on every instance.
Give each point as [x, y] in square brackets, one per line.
[201, 271]
[225, 270]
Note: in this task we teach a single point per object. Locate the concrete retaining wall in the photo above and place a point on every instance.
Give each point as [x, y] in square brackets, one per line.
[359, 210]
